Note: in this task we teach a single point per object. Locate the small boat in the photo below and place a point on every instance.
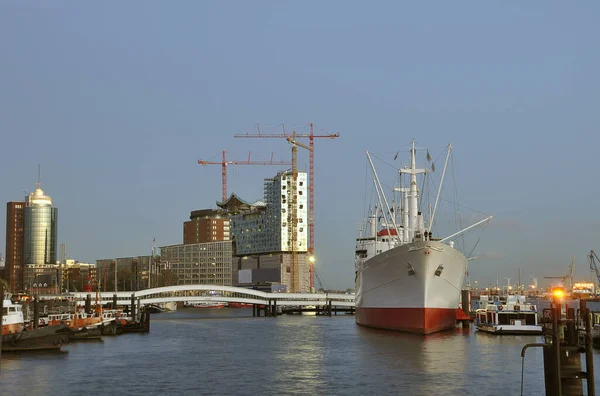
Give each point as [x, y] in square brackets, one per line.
[514, 317]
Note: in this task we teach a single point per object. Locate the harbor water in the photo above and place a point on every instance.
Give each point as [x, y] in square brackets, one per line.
[228, 352]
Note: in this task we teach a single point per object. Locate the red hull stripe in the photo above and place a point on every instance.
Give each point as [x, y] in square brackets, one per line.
[414, 320]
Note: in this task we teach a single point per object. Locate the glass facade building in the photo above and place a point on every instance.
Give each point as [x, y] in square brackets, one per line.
[269, 229]
[199, 263]
[40, 230]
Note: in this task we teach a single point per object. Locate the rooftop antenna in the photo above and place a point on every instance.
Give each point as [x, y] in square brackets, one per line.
[38, 179]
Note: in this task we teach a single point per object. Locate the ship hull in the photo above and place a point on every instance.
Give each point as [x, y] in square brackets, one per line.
[43, 338]
[399, 289]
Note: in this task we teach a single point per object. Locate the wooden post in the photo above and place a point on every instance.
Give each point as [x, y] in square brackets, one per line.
[589, 354]
[36, 312]
[556, 316]
[133, 306]
[114, 302]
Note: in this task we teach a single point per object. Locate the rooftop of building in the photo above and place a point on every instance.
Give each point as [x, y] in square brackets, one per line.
[235, 204]
[208, 214]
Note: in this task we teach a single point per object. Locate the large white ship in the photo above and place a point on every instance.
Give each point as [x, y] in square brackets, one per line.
[407, 279]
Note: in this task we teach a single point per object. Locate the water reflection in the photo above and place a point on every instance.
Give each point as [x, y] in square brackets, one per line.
[233, 353]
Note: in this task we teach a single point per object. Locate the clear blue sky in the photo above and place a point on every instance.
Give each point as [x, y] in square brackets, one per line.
[118, 100]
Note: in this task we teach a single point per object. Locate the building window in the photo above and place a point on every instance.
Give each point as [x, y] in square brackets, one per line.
[299, 192]
[301, 206]
[301, 183]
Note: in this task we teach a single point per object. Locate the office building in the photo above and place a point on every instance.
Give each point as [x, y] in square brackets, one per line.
[206, 225]
[41, 273]
[78, 276]
[199, 263]
[40, 229]
[129, 273]
[15, 224]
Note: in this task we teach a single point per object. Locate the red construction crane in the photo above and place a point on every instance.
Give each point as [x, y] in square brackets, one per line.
[311, 182]
[224, 164]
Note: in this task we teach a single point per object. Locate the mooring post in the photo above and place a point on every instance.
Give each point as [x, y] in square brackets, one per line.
[253, 310]
[36, 312]
[466, 306]
[138, 312]
[147, 322]
[552, 380]
[589, 354]
[329, 308]
[132, 306]
[114, 302]
[88, 304]
[274, 308]
[556, 316]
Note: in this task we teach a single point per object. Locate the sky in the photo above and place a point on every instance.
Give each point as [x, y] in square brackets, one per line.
[118, 100]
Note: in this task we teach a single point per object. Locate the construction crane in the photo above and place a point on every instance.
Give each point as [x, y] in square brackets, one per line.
[294, 200]
[593, 258]
[311, 180]
[224, 164]
[564, 278]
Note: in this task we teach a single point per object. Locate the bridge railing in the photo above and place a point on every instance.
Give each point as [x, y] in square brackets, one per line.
[210, 293]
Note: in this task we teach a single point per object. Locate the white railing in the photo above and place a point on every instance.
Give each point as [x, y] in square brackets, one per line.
[209, 293]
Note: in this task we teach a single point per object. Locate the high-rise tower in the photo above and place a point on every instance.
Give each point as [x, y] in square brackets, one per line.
[41, 272]
[15, 224]
[40, 229]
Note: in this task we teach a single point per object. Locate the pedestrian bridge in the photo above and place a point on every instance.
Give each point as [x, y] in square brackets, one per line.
[206, 293]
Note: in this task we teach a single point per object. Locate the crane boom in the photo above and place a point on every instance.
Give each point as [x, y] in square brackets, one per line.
[311, 177]
[224, 162]
[593, 264]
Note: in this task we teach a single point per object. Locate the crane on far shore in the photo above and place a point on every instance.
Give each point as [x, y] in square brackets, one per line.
[564, 278]
[593, 258]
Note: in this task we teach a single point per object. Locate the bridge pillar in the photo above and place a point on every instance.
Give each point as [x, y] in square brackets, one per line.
[329, 308]
[268, 309]
[274, 311]
[253, 310]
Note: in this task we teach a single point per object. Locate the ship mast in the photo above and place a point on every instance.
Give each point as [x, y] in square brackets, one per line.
[413, 204]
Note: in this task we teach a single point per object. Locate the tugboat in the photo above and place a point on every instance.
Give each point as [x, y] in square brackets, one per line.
[16, 338]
